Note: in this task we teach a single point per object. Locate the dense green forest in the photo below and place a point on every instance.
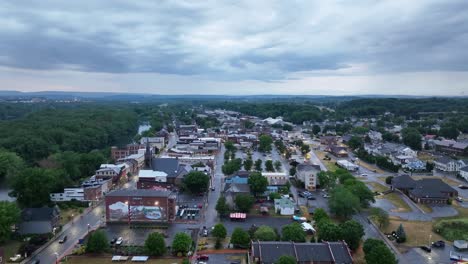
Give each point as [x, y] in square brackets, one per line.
[404, 107]
[39, 134]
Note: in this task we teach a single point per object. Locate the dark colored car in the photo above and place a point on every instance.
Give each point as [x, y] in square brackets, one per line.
[438, 244]
[202, 257]
[310, 197]
[426, 248]
[113, 240]
[63, 240]
[463, 187]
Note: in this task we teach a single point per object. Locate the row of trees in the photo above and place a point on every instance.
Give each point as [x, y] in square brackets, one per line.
[381, 162]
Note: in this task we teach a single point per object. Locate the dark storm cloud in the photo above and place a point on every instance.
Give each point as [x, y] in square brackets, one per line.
[262, 40]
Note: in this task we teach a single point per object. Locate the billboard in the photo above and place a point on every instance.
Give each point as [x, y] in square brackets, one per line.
[119, 211]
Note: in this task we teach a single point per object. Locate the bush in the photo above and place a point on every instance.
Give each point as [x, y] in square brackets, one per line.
[388, 180]
[456, 229]
[218, 244]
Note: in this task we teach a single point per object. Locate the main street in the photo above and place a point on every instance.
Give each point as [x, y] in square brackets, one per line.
[74, 230]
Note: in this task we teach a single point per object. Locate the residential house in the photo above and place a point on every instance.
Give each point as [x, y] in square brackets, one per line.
[425, 191]
[268, 252]
[168, 168]
[328, 140]
[464, 173]
[42, 220]
[111, 171]
[68, 194]
[237, 179]
[374, 136]
[231, 190]
[276, 178]
[337, 151]
[451, 147]
[448, 164]
[284, 206]
[186, 130]
[307, 173]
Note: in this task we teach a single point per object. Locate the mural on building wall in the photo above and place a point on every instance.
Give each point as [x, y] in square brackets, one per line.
[119, 212]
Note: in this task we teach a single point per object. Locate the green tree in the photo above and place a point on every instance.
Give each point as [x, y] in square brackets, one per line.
[97, 242]
[248, 164]
[155, 245]
[292, 171]
[258, 183]
[219, 231]
[196, 182]
[277, 165]
[33, 186]
[229, 145]
[305, 149]
[388, 180]
[343, 203]
[265, 142]
[222, 207]
[401, 234]
[10, 214]
[258, 165]
[329, 231]
[10, 164]
[269, 166]
[240, 238]
[181, 243]
[286, 259]
[360, 190]
[449, 130]
[320, 215]
[327, 179]
[265, 233]
[352, 232]
[244, 202]
[293, 232]
[411, 138]
[376, 252]
[316, 129]
[380, 216]
[355, 142]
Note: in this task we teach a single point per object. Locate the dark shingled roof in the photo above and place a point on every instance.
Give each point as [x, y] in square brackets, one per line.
[403, 182]
[139, 192]
[432, 188]
[270, 252]
[169, 165]
[39, 214]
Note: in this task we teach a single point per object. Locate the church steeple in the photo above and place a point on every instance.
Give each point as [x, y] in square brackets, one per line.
[148, 155]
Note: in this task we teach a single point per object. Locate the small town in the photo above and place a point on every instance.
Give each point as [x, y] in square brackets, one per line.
[234, 132]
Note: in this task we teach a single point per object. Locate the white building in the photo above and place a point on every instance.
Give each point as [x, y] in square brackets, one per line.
[157, 176]
[464, 172]
[68, 195]
[345, 164]
[284, 206]
[276, 178]
[448, 164]
[307, 173]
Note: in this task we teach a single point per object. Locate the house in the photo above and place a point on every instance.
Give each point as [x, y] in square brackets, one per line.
[268, 252]
[111, 171]
[42, 220]
[68, 194]
[425, 191]
[307, 173]
[374, 136]
[328, 140]
[345, 164]
[337, 151]
[186, 130]
[231, 190]
[154, 142]
[451, 147]
[284, 206]
[167, 172]
[414, 164]
[237, 179]
[276, 178]
[447, 164]
[464, 172]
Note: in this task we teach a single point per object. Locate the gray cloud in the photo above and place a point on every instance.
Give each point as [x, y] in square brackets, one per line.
[234, 40]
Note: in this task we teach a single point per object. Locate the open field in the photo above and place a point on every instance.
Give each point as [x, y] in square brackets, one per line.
[377, 187]
[418, 233]
[330, 164]
[395, 199]
[107, 259]
[370, 166]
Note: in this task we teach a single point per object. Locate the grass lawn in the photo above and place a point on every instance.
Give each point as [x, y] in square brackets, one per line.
[418, 233]
[425, 208]
[107, 259]
[377, 187]
[395, 199]
[66, 214]
[10, 248]
[462, 214]
[370, 166]
[330, 164]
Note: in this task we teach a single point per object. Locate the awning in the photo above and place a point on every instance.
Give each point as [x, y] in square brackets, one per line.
[238, 215]
[140, 258]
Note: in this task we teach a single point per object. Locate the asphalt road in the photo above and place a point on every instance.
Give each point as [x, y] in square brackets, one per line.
[74, 231]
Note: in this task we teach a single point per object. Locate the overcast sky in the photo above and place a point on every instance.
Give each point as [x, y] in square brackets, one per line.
[417, 47]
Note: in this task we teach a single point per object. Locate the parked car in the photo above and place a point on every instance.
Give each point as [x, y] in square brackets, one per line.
[364, 175]
[325, 195]
[203, 257]
[119, 241]
[16, 258]
[299, 218]
[459, 199]
[205, 232]
[63, 240]
[113, 240]
[311, 197]
[438, 244]
[464, 187]
[426, 248]
[212, 188]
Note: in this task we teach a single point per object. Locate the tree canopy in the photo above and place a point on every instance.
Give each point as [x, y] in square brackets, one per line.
[244, 202]
[293, 232]
[196, 182]
[181, 243]
[240, 238]
[10, 215]
[265, 233]
[258, 183]
[97, 242]
[155, 245]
